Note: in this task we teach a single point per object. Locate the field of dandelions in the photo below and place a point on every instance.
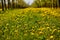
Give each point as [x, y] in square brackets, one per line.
[30, 24]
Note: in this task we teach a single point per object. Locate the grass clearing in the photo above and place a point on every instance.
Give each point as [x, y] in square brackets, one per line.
[30, 24]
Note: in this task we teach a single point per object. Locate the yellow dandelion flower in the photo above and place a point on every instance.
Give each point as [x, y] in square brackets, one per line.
[41, 29]
[16, 30]
[39, 22]
[58, 30]
[51, 36]
[48, 27]
[45, 11]
[33, 26]
[54, 29]
[42, 14]
[47, 24]
[7, 24]
[32, 33]
[40, 32]
[17, 26]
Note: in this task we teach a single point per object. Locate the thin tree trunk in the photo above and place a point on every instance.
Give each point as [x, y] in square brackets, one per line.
[5, 4]
[58, 3]
[16, 3]
[12, 3]
[2, 5]
[8, 4]
[52, 4]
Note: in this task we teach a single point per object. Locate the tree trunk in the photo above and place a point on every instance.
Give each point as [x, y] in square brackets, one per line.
[12, 3]
[2, 5]
[59, 3]
[52, 4]
[9, 4]
[5, 4]
[16, 4]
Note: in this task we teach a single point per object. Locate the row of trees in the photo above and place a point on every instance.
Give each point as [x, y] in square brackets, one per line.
[46, 3]
[6, 4]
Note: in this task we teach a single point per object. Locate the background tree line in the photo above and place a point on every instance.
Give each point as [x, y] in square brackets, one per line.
[6, 4]
[46, 3]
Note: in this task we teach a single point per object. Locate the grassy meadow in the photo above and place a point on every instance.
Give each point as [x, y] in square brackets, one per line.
[30, 24]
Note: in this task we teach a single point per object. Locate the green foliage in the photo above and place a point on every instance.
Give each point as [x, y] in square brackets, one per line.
[44, 3]
[22, 4]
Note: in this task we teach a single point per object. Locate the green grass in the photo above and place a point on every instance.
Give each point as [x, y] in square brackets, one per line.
[30, 24]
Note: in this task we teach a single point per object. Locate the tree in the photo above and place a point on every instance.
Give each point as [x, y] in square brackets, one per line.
[9, 5]
[2, 5]
[22, 4]
[13, 3]
[38, 3]
[59, 3]
[45, 3]
[16, 3]
[5, 4]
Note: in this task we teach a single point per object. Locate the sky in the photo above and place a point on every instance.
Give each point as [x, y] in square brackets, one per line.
[29, 1]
